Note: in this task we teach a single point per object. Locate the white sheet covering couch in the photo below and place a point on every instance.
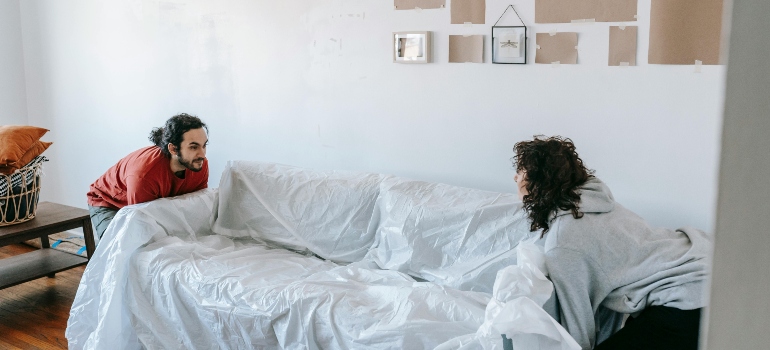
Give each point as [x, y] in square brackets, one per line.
[283, 257]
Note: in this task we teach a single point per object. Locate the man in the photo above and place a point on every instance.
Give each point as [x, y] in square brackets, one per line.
[176, 164]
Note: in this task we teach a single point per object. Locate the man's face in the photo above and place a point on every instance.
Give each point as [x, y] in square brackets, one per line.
[192, 150]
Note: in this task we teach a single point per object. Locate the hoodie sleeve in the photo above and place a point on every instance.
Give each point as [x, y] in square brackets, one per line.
[573, 275]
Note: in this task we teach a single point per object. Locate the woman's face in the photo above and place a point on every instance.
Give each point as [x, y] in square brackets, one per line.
[521, 182]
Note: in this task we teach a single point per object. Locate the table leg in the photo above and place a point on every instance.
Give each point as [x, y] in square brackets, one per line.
[46, 244]
[88, 235]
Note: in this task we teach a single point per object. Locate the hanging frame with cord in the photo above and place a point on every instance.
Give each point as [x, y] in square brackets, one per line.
[509, 43]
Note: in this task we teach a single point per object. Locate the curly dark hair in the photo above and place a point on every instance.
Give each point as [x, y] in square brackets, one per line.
[173, 131]
[553, 173]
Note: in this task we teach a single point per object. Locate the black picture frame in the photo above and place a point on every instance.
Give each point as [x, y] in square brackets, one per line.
[495, 45]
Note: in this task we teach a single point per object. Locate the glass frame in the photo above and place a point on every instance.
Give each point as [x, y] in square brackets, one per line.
[496, 33]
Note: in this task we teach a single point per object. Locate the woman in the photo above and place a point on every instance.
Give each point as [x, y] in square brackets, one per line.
[602, 257]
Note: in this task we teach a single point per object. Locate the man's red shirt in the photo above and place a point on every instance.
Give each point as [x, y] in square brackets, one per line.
[143, 176]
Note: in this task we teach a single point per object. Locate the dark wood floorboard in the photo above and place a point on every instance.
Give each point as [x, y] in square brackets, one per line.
[33, 315]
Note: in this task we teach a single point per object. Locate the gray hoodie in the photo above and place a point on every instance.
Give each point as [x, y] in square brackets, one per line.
[611, 258]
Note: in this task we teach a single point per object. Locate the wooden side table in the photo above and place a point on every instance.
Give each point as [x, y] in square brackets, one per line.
[49, 218]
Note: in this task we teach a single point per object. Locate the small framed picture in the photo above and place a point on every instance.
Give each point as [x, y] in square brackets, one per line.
[509, 45]
[411, 47]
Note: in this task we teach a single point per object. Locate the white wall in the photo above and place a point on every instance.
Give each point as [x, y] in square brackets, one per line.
[311, 83]
[739, 303]
[13, 94]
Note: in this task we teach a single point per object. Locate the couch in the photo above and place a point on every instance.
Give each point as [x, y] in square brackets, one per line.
[284, 257]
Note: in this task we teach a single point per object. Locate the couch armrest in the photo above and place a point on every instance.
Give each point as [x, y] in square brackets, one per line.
[189, 215]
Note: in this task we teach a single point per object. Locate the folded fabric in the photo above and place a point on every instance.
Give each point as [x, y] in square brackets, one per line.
[18, 178]
[63, 241]
[15, 141]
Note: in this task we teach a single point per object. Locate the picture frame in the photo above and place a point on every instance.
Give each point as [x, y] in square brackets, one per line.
[412, 47]
[509, 44]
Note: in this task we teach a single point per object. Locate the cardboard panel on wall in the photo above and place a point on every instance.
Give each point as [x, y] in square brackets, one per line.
[623, 45]
[466, 48]
[557, 47]
[566, 11]
[473, 11]
[683, 31]
[423, 4]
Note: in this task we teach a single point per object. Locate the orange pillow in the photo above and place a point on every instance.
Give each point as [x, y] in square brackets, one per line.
[15, 141]
[37, 149]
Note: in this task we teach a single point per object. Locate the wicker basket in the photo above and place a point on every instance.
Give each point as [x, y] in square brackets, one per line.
[19, 203]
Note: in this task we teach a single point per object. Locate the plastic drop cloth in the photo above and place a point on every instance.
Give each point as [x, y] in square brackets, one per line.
[285, 206]
[454, 236]
[209, 269]
[161, 280]
[516, 310]
[229, 299]
[100, 317]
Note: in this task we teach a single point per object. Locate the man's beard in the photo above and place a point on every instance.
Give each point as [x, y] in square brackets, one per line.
[190, 164]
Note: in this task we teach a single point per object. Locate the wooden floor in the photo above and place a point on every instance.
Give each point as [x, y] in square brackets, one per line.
[33, 315]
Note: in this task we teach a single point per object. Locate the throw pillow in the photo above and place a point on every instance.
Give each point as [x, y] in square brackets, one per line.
[15, 141]
[37, 149]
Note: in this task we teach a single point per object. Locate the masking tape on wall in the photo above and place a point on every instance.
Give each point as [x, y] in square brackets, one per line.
[584, 21]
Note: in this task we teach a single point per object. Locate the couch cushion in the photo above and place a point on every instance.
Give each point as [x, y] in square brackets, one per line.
[327, 212]
[454, 236]
[15, 140]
